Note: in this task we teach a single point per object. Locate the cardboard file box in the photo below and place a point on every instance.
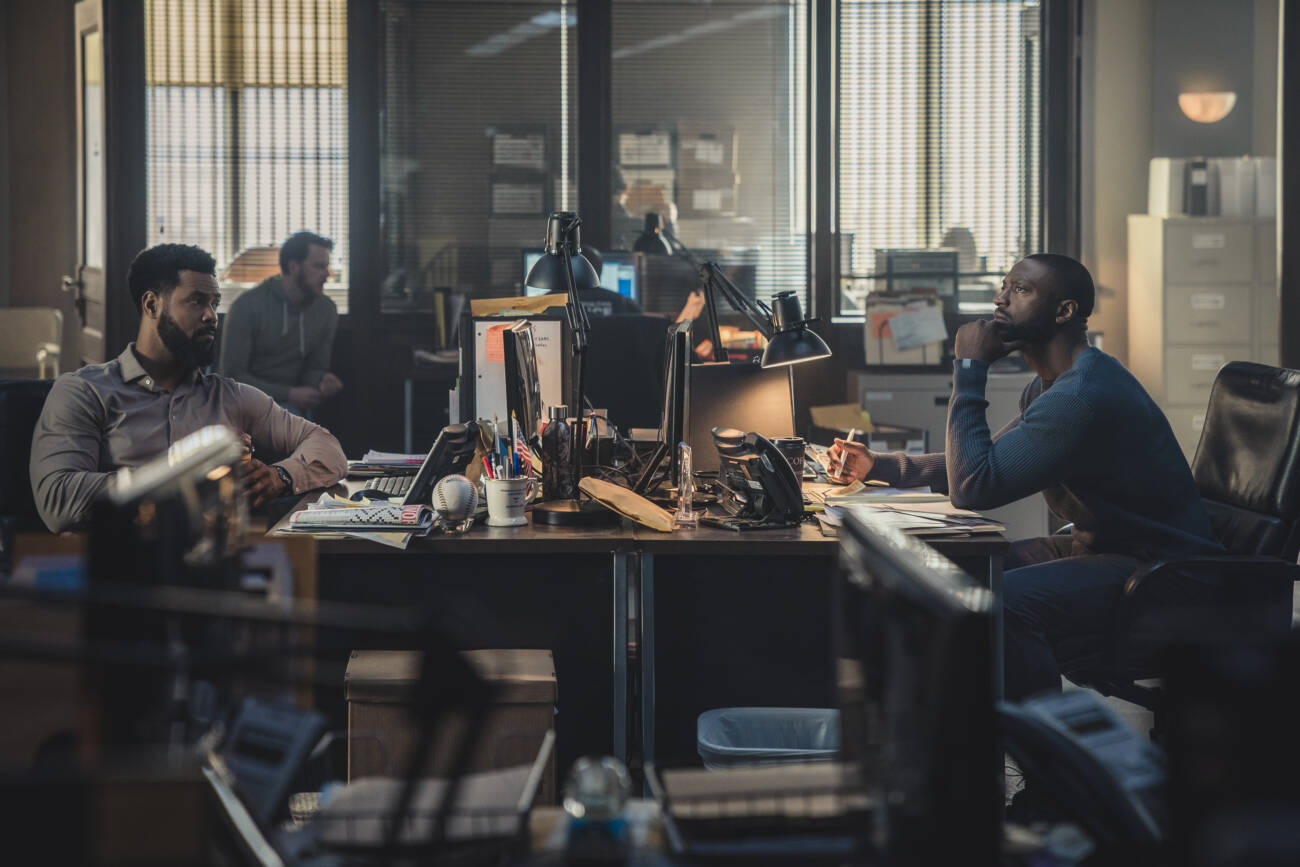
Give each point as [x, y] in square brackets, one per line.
[382, 730]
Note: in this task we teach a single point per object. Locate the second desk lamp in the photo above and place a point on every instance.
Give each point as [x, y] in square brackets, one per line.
[789, 340]
[563, 268]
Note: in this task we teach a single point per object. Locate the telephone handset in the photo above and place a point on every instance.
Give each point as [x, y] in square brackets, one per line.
[1102, 773]
[757, 481]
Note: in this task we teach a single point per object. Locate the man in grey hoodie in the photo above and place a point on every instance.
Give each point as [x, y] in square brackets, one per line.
[278, 335]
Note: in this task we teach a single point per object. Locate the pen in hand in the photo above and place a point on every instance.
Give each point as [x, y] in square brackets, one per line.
[844, 453]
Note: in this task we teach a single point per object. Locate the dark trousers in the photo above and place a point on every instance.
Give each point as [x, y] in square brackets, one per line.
[1050, 597]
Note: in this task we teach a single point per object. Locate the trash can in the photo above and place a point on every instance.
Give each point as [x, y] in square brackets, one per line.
[733, 736]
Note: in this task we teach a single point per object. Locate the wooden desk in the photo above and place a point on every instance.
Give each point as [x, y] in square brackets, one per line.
[718, 618]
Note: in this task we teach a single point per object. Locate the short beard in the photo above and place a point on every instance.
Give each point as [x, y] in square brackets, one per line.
[184, 348]
[1040, 328]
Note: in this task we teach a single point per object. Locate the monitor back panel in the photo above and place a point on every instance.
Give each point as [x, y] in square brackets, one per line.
[742, 396]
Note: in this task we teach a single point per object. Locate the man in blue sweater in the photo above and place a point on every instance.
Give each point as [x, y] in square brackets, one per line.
[1089, 438]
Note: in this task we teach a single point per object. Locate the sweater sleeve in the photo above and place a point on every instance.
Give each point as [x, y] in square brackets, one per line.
[1030, 454]
[237, 351]
[317, 363]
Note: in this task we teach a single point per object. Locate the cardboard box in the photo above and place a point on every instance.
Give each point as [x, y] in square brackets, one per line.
[382, 730]
[706, 147]
[707, 193]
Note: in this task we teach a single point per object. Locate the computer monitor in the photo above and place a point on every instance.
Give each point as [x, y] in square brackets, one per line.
[672, 423]
[618, 273]
[742, 396]
[523, 385]
[924, 727]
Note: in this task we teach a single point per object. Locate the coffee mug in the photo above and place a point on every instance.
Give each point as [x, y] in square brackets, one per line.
[792, 448]
[506, 499]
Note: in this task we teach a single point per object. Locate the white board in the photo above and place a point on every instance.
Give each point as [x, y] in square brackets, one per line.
[490, 367]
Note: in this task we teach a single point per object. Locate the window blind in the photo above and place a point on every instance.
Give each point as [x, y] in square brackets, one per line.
[477, 142]
[246, 128]
[710, 129]
[938, 125]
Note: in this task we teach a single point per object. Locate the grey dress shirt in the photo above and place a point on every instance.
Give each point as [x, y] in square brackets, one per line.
[106, 416]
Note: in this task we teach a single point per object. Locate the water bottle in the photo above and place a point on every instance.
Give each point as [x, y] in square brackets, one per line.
[557, 445]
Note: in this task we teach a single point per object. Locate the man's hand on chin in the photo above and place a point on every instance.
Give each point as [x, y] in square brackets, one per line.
[981, 341]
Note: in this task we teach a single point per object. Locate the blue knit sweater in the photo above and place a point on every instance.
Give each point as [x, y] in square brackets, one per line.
[1093, 442]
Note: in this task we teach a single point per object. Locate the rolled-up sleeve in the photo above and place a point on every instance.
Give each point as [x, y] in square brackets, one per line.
[64, 466]
[308, 452]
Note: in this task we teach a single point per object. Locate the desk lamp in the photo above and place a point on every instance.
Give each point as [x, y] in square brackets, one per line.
[651, 240]
[563, 268]
[789, 340]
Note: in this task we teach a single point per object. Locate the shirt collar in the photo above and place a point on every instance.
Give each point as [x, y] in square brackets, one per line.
[133, 371]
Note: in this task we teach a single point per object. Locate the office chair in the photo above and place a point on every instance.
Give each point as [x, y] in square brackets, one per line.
[20, 407]
[1247, 468]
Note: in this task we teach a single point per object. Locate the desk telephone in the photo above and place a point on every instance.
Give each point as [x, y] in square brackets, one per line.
[758, 486]
[1102, 773]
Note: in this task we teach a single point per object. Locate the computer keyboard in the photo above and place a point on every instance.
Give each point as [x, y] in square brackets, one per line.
[390, 486]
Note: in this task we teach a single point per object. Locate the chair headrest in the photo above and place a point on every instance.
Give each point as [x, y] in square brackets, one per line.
[1249, 453]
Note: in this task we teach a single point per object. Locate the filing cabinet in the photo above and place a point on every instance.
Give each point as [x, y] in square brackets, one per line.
[920, 400]
[1202, 292]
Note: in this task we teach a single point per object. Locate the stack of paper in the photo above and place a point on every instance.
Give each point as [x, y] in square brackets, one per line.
[935, 517]
[373, 458]
[387, 523]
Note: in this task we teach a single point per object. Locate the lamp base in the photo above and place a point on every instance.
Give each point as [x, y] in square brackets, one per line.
[574, 513]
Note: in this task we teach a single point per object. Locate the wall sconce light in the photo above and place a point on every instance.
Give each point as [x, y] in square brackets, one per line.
[1207, 107]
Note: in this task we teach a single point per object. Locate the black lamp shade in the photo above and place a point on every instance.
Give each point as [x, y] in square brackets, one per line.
[792, 347]
[793, 342]
[548, 272]
[651, 240]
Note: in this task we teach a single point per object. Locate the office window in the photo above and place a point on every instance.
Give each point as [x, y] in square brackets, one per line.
[477, 142]
[938, 117]
[246, 128]
[710, 129]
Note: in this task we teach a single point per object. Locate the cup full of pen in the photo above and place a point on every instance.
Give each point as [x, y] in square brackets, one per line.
[507, 480]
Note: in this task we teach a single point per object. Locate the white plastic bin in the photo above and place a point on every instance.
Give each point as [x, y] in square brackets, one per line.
[732, 736]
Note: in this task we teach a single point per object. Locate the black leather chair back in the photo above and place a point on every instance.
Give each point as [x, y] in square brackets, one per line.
[1247, 464]
[20, 406]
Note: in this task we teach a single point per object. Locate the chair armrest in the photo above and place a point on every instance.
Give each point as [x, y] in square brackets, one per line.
[1243, 567]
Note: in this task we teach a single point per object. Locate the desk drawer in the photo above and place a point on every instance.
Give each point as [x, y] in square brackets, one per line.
[1213, 254]
[1204, 314]
[1190, 371]
[1268, 313]
[1266, 254]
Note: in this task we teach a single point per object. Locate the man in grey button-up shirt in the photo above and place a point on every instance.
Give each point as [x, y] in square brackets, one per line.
[130, 410]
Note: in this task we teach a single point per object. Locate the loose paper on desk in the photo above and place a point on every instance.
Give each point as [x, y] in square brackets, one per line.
[918, 325]
[871, 494]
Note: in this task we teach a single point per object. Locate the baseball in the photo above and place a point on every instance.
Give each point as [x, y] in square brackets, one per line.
[454, 499]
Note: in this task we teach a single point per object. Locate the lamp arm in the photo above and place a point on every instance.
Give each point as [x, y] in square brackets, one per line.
[715, 280]
[580, 325]
[680, 249]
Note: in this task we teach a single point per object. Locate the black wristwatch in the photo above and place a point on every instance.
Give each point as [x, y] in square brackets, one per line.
[284, 477]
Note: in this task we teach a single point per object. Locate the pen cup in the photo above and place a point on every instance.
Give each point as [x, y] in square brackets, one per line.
[506, 499]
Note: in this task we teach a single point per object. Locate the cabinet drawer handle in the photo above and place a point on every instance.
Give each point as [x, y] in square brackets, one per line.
[941, 401]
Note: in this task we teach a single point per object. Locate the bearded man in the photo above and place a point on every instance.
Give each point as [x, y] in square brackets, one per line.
[1090, 439]
[130, 410]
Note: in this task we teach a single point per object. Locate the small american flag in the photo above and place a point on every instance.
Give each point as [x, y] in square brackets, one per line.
[521, 446]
